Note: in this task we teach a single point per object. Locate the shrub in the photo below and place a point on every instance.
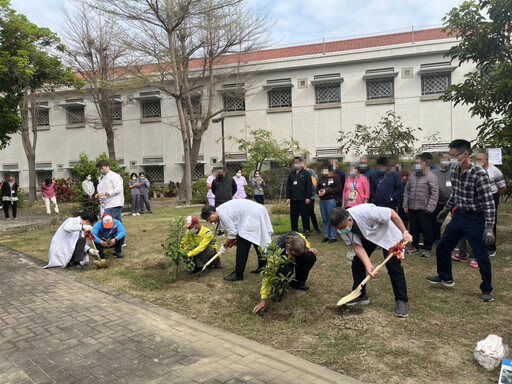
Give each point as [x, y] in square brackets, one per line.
[199, 191]
[65, 192]
[272, 272]
[172, 247]
[23, 200]
[279, 209]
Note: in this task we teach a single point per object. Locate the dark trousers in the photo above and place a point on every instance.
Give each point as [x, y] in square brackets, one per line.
[403, 216]
[394, 267]
[260, 199]
[89, 203]
[205, 257]
[471, 225]
[117, 247]
[14, 205]
[421, 222]
[79, 252]
[496, 197]
[135, 202]
[312, 214]
[436, 227]
[243, 247]
[299, 207]
[303, 265]
[144, 201]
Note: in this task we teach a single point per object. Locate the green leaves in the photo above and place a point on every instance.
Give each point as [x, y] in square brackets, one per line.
[272, 273]
[173, 249]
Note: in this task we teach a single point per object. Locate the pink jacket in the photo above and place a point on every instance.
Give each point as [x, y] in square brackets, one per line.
[362, 187]
[48, 190]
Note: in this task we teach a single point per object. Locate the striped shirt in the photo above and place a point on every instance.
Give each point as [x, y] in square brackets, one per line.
[471, 192]
[496, 178]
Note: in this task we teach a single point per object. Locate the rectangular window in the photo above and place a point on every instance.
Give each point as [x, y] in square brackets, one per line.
[327, 93]
[43, 117]
[234, 104]
[380, 88]
[42, 175]
[196, 105]
[198, 171]
[117, 111]
[435, 83]
[151, 108]
[76, 114]
[155, 173]
[280, 97]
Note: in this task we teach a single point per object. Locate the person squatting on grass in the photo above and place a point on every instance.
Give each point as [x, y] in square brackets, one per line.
[302, 258]
[365, 227]
[68, 247]
[473, 215]
[109, 233]
[246, 223]
[200, 241]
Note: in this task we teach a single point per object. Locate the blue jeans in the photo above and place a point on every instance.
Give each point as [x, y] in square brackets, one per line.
[115, 212]
[326, 206]
[470, 225]
[117, 248]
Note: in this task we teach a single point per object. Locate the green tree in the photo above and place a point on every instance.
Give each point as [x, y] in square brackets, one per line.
[483, 30]
[29, 64]
[390, 137]
[262, 146]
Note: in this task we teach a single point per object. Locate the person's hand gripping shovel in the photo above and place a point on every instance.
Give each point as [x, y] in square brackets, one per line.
[99, 262]
[397, 250]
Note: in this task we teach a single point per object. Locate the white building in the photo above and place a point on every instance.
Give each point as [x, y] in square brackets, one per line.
[308, 92]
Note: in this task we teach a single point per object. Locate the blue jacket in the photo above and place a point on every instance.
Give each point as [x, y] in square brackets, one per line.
[101, 233]
[387, 190]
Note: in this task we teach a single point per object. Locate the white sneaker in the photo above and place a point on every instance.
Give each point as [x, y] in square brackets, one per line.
[134, 214]
[138, 214]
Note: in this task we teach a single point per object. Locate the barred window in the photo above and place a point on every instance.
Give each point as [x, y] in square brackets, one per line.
[117, 111]
[233, 167]
[155, 173]
[196, 105]
[43, 117]
[382, 88]
[42, 175]
[151, 108]
[198, 171]
[435, 83]
[76, 114]
[280, 97]
[234, 104]
[328, 93]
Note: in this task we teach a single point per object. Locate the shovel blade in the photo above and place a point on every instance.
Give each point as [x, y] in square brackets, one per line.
[351, 296]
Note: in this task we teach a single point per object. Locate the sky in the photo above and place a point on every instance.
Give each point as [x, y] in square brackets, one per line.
[302, 21]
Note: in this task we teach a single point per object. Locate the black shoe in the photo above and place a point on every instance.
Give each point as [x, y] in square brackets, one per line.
[218, 265]
[487, 297]
[307, 234]
[119, 255]
[437, 280]
[234, 277]
[261, 266]
[318, 231]
[150, 212]
[295, 285]
[220, 233]
[361, 300]
[325, 240]
[76, 267]
[333, 241]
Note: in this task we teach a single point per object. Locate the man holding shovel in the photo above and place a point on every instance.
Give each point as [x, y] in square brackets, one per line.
[365, 227]
[200, 241]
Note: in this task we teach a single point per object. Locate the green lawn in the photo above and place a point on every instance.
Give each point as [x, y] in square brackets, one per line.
[435, 344]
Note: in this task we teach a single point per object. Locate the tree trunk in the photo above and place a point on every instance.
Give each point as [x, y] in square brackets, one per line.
[28, 145]
[109, 130]
[185, 192]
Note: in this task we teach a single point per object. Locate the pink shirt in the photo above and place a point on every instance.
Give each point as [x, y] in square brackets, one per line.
[361, 186]
[48, 190]
[240, 184]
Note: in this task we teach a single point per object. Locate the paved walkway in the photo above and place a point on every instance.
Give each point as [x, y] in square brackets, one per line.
[56, 327]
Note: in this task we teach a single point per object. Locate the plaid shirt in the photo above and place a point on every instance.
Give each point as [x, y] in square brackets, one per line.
[471, 191]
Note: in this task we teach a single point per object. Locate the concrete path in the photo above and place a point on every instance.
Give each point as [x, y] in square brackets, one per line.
[57, 327]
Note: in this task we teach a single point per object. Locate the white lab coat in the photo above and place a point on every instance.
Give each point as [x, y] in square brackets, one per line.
[375, 225]
[246, 219]
[63, 243]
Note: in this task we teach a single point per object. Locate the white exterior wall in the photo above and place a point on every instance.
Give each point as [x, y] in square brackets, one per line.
[313, 128]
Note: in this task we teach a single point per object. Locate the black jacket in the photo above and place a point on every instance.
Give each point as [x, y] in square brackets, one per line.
[223, 189]
[299, 185]
[6, 189]
[387, 190]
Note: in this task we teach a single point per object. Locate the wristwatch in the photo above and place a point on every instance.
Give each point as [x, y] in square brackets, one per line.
[404, 232]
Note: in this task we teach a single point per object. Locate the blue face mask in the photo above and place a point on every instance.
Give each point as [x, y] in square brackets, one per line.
[352, 173]
[446, 163]
[418, 167]
[193, 231]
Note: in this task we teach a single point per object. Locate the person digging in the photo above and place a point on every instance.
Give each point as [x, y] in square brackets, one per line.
[200, 241]
[365, 227]
[109, 233]
[300, 258]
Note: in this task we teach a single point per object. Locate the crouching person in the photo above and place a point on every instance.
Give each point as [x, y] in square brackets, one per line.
[200, 241]
[301, 258]
[68, 247]
[109, 233]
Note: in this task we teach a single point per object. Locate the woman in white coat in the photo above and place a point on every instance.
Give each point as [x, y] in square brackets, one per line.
[247, 223]
[68, 247]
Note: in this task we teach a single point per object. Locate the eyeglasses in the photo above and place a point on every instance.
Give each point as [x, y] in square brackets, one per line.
[457, 155]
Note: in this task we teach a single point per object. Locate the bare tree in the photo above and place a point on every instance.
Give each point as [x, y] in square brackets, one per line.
[193, 45]
[95, 48]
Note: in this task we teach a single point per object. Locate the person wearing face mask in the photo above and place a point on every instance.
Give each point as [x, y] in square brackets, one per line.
[135, 193]
[200, 243]
[420, 200]
[328, 188]
[365, 227]
[365, 170]
[112, 190]
[10, 197]
[386, 187]
[144, 185]
[257, 186]
[88, 190]
[473, 214]
[241, 182]
[443, 175]
[299, 188]
[356, 190]
[404, 176]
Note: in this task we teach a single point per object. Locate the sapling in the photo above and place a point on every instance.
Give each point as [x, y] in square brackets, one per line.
[173, 248]
[274, 271]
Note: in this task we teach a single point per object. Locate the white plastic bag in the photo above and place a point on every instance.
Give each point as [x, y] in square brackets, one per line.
[490, 352]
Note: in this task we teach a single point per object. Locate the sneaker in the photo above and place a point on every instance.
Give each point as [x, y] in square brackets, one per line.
[473, 264]
[492, 253]
[220, 233]
[324, 240]
[425, 254]
[15, 218]
[402, 309]
[487, 297]
[138, 214]
[333, 241]
[119, 255]
[134, 214]
[459, 258]
[7, 218]
[124, 245]
[437, 280]
[234, 277]
[150, 212]
[361, 300]
[76, 267]
[413, 251]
